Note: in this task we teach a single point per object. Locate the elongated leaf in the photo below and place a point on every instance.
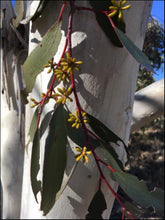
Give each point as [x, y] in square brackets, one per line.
[19, 10]
[103, 132]
[40, 9]
[67, 181]
[54, 160]
[36, 185]
[97, 206]
[45, 123]
[134, 210]
[33, 65]
[111, 159]
[134, 50]
[158, 200]
[77, 135]
[33, 127]
[33, 124]
[137, 190]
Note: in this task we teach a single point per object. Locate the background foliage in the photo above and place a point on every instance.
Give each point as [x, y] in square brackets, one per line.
[154, 49]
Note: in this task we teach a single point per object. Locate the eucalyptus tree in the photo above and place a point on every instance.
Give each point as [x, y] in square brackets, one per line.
[78, 117]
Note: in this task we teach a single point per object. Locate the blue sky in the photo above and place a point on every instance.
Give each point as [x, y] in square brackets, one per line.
[158, 13]
[158, 10]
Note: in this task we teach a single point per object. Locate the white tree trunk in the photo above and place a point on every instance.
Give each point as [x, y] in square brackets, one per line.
[106, 90]
[12, 117]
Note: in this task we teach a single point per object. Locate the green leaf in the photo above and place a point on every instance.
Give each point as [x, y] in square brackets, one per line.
[39, 10]
[45, 123]
[54, 159]
[19, 11]
[97, 206]
[133, 50]
[111, 158]
[133, 209]
[77, 135]
[33, 65]
[104, 23]
[158, 200]
[137, 190]
[36, 185]
[67, 181]
[33, 126]
[103, 132]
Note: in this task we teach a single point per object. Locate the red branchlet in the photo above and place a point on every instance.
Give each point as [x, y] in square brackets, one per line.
[86, 131]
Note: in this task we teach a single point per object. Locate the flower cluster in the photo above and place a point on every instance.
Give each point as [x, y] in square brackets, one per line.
[49, 95]
[51, 65]
[35, 103]
[69, 64]
[83, 153]
[117, 8]
[61, 74]
[75, 118]
[64, 94]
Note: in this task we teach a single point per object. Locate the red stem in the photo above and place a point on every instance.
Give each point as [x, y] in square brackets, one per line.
[54, 77]
[90, 9]
[68, 43]
[61, 11]
[107, 165]
[72, 75]
[81, 118]
[123, 214]
[106, 13]
[99, 11]
[116, 197]
[106, 182]
[94, 135]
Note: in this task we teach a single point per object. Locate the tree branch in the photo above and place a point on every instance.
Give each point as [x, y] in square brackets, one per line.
[148, 104]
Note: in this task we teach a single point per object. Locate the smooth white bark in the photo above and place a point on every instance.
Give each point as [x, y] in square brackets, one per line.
[105, 88]
[12, 115]
[148, 104]
[12, 120]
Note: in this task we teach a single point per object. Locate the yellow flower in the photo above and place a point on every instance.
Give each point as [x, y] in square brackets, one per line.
[47, 98]
[117, 8]
[35, 103]
[75, 118]
[69, 64]
[51, 64]
[61, 74]
[82, 154]
[64, 94]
